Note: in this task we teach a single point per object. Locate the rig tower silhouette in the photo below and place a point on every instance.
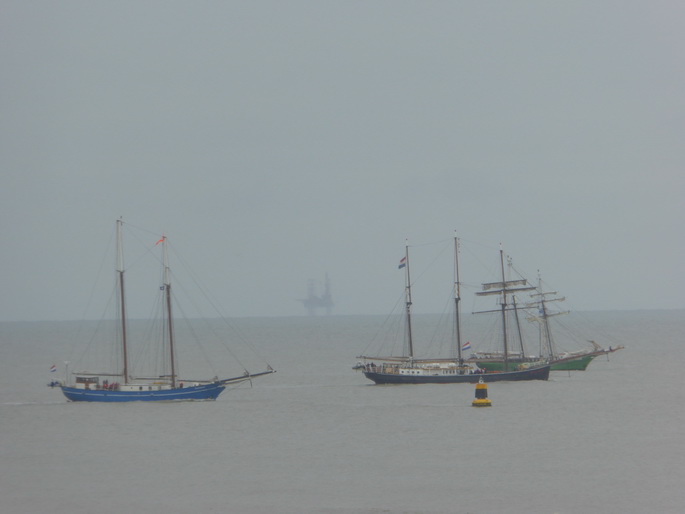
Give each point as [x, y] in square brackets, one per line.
[315, 301]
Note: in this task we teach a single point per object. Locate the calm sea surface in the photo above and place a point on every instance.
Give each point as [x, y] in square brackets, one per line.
[318, 437]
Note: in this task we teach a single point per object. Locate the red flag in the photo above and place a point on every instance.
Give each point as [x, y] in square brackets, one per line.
[161, 240]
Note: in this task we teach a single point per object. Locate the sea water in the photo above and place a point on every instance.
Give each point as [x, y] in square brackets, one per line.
[318, 437]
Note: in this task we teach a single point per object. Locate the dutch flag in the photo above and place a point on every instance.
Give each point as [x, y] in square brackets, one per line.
[53, 368]
[403, 263]
[466, 346]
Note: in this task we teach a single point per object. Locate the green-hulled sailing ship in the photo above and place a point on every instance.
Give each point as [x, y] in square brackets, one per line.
[559, 360]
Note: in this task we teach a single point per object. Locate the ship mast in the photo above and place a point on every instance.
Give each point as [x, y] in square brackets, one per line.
[504, 288]
[457, 300]
[410, 342]
[518, 325]
[170, 322]
[122, 298]
[516, 313]
[504, 308]
[548, 335]
[545, 332]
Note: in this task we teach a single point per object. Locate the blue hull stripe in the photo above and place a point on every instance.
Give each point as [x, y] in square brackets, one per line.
[203, 392]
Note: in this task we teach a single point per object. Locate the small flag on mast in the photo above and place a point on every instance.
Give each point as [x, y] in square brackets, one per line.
[161, 240]
[466, 345]
[53, 368]
[403, 263]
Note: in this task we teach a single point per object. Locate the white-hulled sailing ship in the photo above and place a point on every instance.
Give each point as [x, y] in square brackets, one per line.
[407, 369]
[121, 385]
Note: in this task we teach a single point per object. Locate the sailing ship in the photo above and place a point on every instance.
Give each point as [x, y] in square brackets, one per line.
[407, 369]
[577, 360]
[121, 385]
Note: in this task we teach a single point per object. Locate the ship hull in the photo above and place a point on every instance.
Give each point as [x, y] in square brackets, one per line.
[497, 366]
[573, 364]
[541, 373]
[579, 363]
[194, 393]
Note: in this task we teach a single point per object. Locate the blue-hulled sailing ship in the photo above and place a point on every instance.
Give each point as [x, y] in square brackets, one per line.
[121, 385]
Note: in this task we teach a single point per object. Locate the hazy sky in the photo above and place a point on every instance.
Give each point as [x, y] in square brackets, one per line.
[276, 141]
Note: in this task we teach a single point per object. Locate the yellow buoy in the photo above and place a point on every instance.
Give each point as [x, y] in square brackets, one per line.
[481, 395]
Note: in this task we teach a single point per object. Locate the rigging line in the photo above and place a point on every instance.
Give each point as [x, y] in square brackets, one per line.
[98, 329]
[577, 333]
[438, 332]
[149, 250]
[432, 262]
[196, 307]
[386, 322]
[147, 247]
[105, 257]
[396, 334]
[430, 243]
[487, 269]
[148, 351]
[488, 246]
[195, 278]
[564, 334]
[140, 229]
[191, 329]
[574, 332]
[521, 274]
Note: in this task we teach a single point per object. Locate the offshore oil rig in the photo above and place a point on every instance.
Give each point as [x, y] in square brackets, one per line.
[315, 301]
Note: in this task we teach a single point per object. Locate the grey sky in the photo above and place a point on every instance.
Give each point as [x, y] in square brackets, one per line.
[277, 141]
